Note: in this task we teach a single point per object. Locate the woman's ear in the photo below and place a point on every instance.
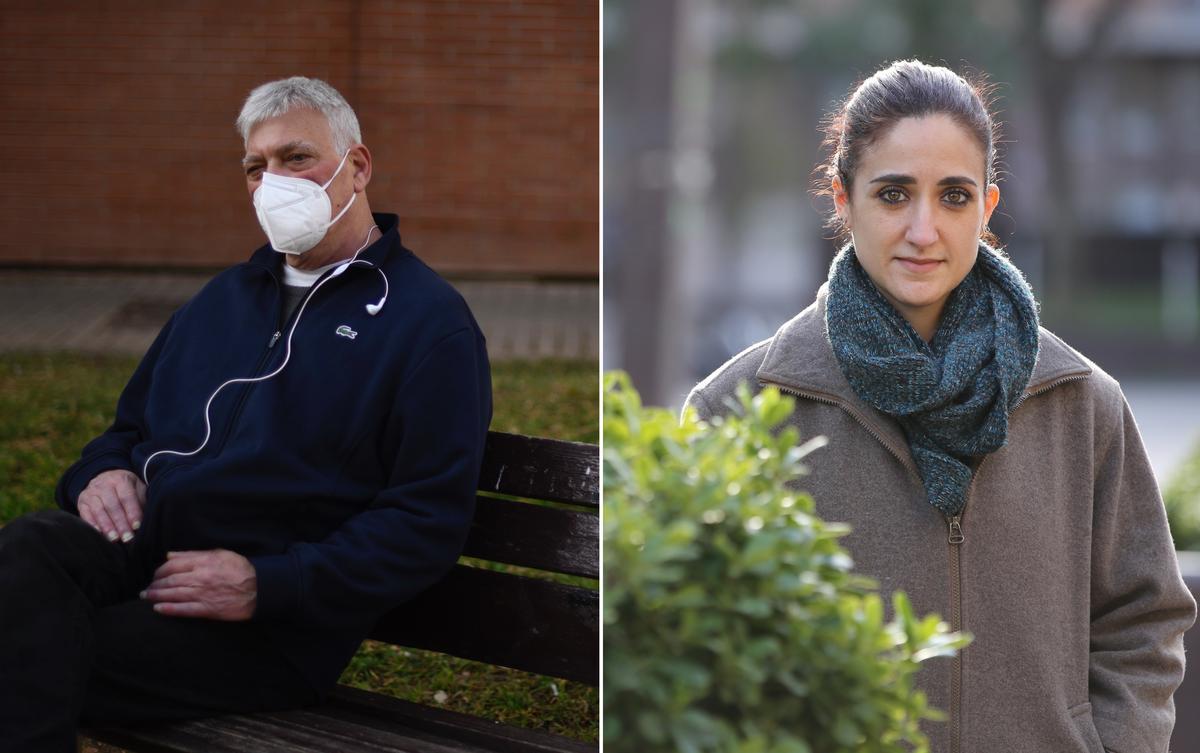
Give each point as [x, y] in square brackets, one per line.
[841, 200]
[991, 197]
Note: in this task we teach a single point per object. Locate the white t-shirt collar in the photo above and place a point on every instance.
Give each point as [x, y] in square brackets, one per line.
[304, 278]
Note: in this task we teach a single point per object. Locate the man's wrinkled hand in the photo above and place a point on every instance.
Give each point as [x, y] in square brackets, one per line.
[214, 585]
[112, 503]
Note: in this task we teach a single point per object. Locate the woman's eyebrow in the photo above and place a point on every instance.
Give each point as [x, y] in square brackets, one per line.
[903, 180]
[908, 180]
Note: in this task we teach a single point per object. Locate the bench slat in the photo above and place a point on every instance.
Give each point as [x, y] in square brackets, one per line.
[442, 724]
[499, 618]
[299, 731]
[351, 720]
[226, 734]
[330, 733]
[451, 724]
[539, 468]
[545, 538]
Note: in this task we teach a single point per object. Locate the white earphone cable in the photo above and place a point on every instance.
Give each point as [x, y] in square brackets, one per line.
[286, 357]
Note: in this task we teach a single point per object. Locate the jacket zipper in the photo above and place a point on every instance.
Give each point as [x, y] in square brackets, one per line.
[955, 626]
[1048, 386]
[262, 361]
[245, 392]
[955, 538]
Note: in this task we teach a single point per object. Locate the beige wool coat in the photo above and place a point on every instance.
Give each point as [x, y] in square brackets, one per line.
[1061, 564]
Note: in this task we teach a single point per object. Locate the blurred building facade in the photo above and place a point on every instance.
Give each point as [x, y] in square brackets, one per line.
[482, 116]
[713, 238]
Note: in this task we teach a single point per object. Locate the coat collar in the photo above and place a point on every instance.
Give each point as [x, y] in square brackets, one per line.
[800, 359]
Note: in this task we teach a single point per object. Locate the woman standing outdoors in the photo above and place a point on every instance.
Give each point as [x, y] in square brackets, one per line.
[986, 468]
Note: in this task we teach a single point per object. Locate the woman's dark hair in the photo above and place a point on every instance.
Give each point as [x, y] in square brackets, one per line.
[905, 89]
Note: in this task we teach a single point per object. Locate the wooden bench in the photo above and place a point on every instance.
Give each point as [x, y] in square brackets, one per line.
[527, 623]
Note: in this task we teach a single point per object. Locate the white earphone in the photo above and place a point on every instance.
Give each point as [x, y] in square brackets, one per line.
[372, 308]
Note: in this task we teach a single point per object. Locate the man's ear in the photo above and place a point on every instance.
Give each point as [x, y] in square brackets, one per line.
[360, 158]
[841, 200]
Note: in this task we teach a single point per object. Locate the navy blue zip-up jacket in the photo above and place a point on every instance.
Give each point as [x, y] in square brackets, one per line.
[348, 479]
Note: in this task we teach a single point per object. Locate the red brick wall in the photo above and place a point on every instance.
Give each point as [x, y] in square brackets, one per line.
[116, 121]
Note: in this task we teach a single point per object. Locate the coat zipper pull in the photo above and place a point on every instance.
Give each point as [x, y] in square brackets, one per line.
[956, 533]
[274, 339]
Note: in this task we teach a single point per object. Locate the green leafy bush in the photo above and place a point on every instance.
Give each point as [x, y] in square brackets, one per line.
[1182, 498]
[732, 620]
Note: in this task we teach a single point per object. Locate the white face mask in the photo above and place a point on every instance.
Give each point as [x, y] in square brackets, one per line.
[294, 212]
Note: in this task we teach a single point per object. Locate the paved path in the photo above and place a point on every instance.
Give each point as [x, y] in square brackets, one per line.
[120, 312]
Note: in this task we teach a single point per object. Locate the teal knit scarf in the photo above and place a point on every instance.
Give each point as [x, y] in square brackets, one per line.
[952, 396]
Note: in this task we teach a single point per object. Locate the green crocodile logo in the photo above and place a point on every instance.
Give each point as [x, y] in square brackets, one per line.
[345, 331]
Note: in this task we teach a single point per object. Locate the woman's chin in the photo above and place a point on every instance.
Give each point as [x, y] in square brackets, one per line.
[917, 297]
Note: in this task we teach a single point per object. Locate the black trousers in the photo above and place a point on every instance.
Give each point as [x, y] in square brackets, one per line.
[77, 645]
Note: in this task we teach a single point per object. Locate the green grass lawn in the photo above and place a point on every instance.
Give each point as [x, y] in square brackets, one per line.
[53, 404]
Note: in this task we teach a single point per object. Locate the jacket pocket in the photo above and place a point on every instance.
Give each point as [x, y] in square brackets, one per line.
[1085, 728]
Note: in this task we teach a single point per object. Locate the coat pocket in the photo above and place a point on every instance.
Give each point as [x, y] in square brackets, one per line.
[1085, 728]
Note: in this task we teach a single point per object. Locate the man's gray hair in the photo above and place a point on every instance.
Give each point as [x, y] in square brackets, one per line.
[274, 98]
